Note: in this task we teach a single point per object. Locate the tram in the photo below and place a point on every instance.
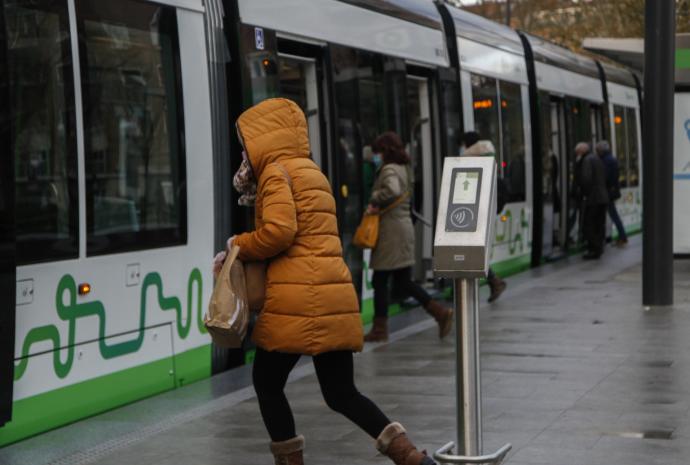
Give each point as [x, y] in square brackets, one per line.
[116, 125]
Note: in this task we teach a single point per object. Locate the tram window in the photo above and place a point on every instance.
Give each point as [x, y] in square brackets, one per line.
[451, 116]
[348, 169]
[619, 120]
[582, 120]
[484, 103]
[633, 149]
[42, 134]
[293, 81]
[513, 139]
[549, 173]
[133, 123]
[260, 68]
[372, 113]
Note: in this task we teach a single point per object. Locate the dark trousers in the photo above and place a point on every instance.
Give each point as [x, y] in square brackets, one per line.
[595, 228]
[335, 373]
[615, 217]
[402, 280]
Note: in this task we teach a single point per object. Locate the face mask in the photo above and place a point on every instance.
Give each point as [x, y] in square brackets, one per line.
[245, 184]
[377, 160]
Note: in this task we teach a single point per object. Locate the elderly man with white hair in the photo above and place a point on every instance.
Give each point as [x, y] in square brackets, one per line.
[595, 198]
[614, 188]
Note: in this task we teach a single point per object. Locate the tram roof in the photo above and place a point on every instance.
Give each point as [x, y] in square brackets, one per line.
[423, 12]
[479, 29]
[553, 54]
[618, 75]
[409, 29]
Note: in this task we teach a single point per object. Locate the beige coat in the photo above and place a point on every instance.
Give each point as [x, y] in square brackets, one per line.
[395, 246]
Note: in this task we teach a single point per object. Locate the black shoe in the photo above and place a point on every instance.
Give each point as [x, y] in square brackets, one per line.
[591, 256]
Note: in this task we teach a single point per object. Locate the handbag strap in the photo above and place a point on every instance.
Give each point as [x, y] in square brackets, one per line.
[397, 202]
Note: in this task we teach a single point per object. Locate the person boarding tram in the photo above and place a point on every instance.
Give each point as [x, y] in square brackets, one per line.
[613, 187]
[311, 307]
[596, 200]
[471, 145]
[393, 255]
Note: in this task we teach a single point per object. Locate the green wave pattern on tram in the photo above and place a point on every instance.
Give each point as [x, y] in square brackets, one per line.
[73, 311]
[514, 238]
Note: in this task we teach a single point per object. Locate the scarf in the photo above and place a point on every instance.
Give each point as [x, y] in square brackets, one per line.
[245, 184]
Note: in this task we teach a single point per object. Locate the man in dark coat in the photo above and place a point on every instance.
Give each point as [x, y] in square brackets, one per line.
[613, 187]
[596, 198]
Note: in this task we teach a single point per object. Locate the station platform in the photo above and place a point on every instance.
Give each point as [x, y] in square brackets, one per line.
[574, 372]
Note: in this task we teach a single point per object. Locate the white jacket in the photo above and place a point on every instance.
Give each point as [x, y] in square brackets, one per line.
[482, 148]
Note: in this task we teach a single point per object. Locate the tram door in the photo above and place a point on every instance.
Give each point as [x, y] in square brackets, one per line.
[554, 179]
[299, 82]
[597, 124]
[420, 148]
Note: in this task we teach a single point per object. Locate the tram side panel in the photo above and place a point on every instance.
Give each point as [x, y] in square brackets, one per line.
[140, 196]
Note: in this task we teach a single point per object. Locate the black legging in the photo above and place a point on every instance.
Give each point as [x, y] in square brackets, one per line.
[402, 279]
[335, 372]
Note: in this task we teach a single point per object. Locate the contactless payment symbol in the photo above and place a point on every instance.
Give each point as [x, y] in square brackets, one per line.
[259, 38]
[461, 217]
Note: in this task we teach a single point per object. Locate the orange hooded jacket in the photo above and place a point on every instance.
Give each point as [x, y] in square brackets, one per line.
[311, 305]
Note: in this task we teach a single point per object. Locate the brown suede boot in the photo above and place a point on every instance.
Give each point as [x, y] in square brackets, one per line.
[497, 286]
[288, 452]
[394, 443]
[443, 316]
[379, 331]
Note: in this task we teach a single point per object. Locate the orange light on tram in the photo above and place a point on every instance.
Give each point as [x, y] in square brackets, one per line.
[483, 104]
[618, 119]
[84, 288]
[504, 104]
[266, 62]
[504, 218]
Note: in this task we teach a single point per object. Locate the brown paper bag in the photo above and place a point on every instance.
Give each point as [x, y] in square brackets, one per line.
[228, 311]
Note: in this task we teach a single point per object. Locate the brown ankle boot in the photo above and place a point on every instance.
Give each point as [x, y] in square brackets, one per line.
[443, 316]
[394, 443]
[288, 452]
[379, 331]
[497, 286]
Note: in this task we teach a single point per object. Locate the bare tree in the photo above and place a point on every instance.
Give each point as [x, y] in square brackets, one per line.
[568, 22]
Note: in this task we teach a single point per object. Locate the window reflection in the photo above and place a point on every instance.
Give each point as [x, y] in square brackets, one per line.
[41, 127]
[135, 168]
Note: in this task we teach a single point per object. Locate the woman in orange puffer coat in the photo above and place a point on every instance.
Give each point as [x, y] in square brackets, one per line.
[311, 306]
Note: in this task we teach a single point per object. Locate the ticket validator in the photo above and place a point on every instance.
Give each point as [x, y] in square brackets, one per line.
[464, 232]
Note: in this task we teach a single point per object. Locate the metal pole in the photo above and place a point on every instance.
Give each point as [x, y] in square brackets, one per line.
[508, 12]
[468, 373]
[657, 222]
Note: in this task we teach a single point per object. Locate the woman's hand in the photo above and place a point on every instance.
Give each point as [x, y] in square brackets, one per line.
[218, 263]
[372, 210]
